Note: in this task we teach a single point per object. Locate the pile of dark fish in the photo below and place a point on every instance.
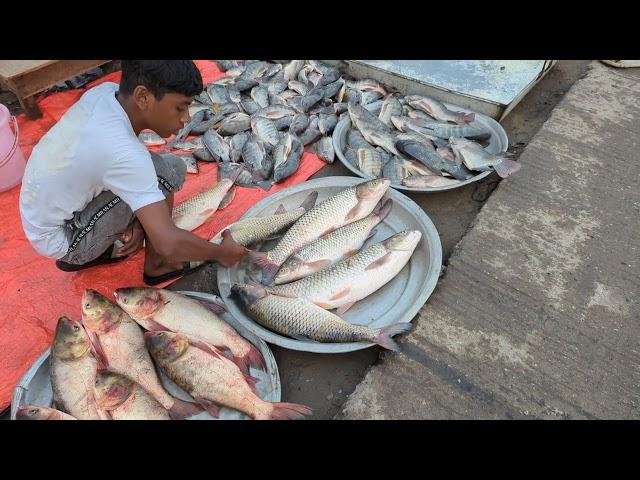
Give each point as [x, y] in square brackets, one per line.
[257, 120]
[260, 117]
[416, 141]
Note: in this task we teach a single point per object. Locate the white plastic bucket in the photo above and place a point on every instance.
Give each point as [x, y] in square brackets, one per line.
[12, 162]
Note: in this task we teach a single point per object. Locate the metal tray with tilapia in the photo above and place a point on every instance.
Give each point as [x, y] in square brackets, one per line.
[395, 239]
[420, 144]
[35, 387]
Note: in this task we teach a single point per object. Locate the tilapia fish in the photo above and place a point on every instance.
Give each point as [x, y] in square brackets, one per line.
[190, 162]
[349, 205]
[192, 213]
[437, 109]
[119, 345]
[324, 149]
[356, 277]
[33, 412]
[333, 247]
[286, 157]
[212, 380]
[158, 309]
[150, 138]
[432, 181]
[477, 158]
[301, 319]
[73, 372]
[425, 153]
[124, 399]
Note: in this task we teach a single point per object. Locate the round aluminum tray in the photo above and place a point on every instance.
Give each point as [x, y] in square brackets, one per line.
[34, 388]
[498, 143]
[397, 301]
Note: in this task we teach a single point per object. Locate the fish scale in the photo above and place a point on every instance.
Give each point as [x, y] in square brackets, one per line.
[331, 248]
[330, 213]
[353, 279]
[195, 211]
[297, 317]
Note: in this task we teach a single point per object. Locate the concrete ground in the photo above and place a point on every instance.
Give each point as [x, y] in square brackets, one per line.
[325, 381]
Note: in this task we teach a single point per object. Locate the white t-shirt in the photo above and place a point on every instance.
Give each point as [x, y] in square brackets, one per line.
[91, 149]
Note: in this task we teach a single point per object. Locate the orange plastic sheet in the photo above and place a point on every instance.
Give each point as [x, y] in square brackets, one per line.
[34, 293]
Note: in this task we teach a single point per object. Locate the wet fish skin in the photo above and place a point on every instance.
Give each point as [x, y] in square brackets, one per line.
[356, 277]
[125, 399]
[33, 412]
[477, 158]
[332, 248]
[234, 123]
[324, 149]
[210, 378]
[73, 370]
[193, 212]
[150, 138]
[347, 206]
[159, 309]
[298, 318]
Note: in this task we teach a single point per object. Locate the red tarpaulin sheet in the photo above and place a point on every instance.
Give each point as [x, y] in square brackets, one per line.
[35, 293]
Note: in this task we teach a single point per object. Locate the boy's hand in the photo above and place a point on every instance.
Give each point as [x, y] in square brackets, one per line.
[231, 252]
[133, 239]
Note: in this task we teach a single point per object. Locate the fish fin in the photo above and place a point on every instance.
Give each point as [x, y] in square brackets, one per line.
[101, 356]
[327, 231]
[298, 336]
[228, 198]
[281, 294]
[154, 326]
[354, 212]
[381, 261]
[253, 358]
[343, 308]
[251, 381]
[383, 209]
[280, 210]
[320, 264]
[353, 252]
[289, 411]
[273, 237]
[181, 409]
[371, 234]
[506, 167]
[210, 407]
[216, 308]
[208, 212]
[384, 337]
[269, 268]
[205, 347]
[341, 293]
[326, 306]
[265, 185]
[469, 117]
[309, 201]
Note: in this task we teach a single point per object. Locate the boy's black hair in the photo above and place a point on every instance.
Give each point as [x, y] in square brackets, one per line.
[161, 76]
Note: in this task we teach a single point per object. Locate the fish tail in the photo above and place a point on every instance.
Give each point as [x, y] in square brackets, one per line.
[181, 409]
[384, 337]
[269, 268]
[289, 411]
[505, 166]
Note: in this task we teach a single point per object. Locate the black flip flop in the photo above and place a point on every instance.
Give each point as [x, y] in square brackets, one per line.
[103, 259]
[149, 280]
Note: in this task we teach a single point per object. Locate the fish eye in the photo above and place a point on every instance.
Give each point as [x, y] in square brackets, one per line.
[87, 306]
[76, 328]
